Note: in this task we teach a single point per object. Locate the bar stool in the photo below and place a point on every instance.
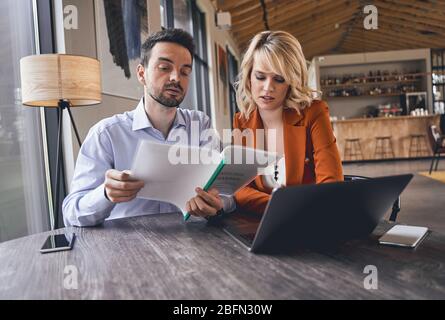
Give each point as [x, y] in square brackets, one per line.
[383, 148]
[353, 149]
[417, 145]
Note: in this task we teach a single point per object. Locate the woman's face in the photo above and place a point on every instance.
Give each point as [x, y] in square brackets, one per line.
[269, 89]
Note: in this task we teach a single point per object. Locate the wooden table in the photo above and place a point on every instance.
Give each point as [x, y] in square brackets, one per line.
[160, 257]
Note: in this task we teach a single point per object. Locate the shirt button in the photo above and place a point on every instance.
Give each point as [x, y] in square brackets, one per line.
[306, 161]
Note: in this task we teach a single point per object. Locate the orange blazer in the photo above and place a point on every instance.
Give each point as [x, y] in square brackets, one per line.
[310, 152]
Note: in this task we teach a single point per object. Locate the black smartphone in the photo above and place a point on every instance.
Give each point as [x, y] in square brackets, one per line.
[58, 242]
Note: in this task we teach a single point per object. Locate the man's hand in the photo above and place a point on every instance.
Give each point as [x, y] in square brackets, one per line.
[119, 187]
[205, 203]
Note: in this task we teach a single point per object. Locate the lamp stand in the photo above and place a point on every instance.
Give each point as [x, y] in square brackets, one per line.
[62, 104]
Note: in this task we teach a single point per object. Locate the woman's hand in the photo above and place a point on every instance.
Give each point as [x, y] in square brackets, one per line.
[205, 203]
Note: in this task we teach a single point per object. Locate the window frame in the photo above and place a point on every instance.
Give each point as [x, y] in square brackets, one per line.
[46, 44]
[199, 29]
[201, 64]
[232, 64]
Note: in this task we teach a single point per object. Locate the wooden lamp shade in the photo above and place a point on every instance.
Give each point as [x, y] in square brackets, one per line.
[49, 78]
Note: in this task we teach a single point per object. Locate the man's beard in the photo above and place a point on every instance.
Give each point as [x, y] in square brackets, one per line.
[169, 102]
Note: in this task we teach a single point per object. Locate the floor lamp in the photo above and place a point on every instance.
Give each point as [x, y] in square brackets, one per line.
[60, 81]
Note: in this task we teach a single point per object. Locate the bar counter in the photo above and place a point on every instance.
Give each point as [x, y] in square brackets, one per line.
[398, 128]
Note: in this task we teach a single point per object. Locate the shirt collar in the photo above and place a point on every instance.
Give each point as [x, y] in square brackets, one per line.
[179, 119]
[141, 120]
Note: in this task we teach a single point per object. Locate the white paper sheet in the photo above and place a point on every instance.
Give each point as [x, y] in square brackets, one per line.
[171, 172]
[171, 182]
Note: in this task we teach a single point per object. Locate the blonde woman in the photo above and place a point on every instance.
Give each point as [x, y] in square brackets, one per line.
[272, 94]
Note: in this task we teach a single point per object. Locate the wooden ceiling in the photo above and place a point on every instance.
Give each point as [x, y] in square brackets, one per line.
[336, 26]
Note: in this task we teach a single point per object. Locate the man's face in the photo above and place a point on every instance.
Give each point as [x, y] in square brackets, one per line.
[168, 72]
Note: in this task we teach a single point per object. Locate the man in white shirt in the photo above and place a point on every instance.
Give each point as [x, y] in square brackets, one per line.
[101, 187]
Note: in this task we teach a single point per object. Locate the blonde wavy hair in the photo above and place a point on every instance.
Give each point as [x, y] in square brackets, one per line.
[282, 52]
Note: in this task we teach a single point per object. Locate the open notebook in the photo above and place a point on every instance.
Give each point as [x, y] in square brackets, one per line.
[172, 172]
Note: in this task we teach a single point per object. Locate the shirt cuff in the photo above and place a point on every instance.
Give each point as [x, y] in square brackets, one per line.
[95, 201]
[229, 203]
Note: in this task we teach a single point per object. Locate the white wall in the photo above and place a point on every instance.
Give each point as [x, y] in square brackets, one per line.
[83, 42]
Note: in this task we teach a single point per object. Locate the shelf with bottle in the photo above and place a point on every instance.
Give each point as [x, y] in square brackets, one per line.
[438, 78]
[375, 77]
[372, 92]
[366, 96]
[349, 85]
[389, 110]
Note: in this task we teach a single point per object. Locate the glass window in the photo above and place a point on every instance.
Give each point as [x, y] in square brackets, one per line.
[163, 18]
[233, 73]
[166, 14]
[438, 78]
[185, 14]
[201, 61]
[182, 15]
[23, 200]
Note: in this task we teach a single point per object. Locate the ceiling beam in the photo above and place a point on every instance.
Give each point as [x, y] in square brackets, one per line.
[321, 17]
[431, 7]
[415, 28]
[302, 25]
[302, 34]
[391, 35]
[227, 5]
[245, 11]
[408, 14]
[281, 14]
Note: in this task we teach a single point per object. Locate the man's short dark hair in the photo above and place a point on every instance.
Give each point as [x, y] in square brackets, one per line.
[178, 36]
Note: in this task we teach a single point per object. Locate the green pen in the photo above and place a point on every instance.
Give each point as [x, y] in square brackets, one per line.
[209, 183]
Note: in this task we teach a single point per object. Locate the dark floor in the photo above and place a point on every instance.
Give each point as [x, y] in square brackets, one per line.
[423, 200]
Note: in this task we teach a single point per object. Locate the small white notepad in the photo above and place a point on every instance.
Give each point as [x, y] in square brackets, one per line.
[404, 236]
